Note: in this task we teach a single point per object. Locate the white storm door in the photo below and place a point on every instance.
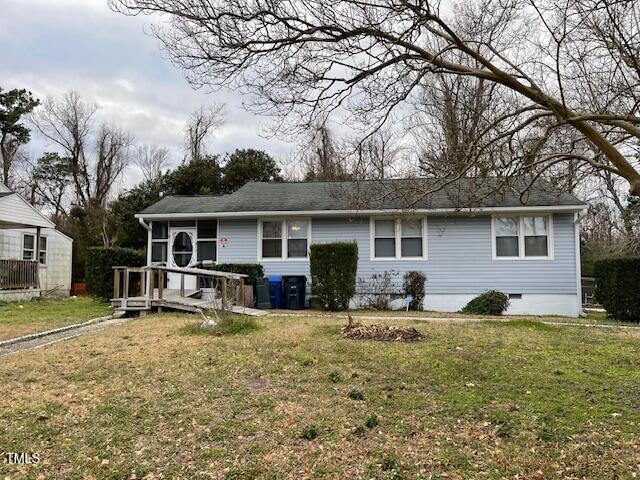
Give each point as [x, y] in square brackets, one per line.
[182, 253]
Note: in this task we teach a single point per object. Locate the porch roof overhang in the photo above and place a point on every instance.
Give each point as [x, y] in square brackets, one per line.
[16, 212]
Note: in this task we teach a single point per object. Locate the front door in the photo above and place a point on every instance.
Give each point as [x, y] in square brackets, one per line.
[182, 253]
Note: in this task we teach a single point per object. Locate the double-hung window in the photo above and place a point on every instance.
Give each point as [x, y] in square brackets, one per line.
[207, 240]
[522, 236]
[29, 248]
[282, 239]
[159, 242]
[399, 238]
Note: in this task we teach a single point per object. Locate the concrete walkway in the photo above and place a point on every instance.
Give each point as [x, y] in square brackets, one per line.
[43, 339]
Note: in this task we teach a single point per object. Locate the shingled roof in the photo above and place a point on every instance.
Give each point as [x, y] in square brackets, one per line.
[423, 194]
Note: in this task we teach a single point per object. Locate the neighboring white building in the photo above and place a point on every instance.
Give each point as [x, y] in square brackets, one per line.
[26, 236]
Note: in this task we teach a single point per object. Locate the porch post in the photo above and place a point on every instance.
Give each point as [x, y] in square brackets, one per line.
[38, 257]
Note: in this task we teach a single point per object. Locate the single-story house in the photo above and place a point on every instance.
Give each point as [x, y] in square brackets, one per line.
[34, 256]
[463, 237]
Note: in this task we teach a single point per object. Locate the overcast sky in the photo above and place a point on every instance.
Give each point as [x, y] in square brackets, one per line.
[53, 46]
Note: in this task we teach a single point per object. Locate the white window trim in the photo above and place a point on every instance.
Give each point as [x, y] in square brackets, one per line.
[208, 239]
[398, 238]
[35, 248]
[521, 255]
[285, 232]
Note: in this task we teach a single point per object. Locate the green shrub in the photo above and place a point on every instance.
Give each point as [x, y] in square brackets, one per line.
[617, 287]
[389, 462]
[488, 303]
[371, 421]
[99, 268]
[355, 395]
[310, 432]
[253, 270]
[414, 286]
[333, 273]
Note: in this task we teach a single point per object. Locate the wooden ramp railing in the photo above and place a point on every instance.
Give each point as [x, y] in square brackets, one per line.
[147, 287]
[15, 274]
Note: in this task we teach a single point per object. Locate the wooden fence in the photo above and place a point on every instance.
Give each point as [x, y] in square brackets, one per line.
[16, 274]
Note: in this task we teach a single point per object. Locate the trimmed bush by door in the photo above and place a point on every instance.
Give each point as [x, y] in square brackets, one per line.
[333, 273]
[618, 287]
[99, 267]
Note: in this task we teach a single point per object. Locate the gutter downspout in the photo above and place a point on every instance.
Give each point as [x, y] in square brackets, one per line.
[147, 227]
[577, 218]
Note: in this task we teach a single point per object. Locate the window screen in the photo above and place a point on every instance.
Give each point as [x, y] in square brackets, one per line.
[411, 241]
[507, 237]
[272, 239]
[385, 238]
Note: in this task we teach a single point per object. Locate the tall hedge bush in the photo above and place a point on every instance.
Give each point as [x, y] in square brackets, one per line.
[253, 270]
[333, 273]
[99, 267]
[618, 287]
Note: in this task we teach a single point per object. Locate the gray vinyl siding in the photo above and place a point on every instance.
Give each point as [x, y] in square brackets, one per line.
[459, 255]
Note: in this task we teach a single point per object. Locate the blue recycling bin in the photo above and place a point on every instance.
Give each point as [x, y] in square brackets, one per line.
[275, 291]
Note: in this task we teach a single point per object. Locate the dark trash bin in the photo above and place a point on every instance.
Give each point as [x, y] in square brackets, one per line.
[275, 291]
[295, 289]
[263, 299]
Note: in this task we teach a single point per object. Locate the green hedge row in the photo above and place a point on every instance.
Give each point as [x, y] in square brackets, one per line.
[99, 267]
[333, 273]
[618, 287]
[253, 270]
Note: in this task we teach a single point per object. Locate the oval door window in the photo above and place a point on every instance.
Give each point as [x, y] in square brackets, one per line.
[182, 249]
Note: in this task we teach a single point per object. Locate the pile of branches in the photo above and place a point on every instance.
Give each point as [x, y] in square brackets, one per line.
[384, 333]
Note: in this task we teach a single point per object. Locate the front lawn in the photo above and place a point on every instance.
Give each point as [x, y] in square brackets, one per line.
[31, 316]
[292, 399]
[591, 317]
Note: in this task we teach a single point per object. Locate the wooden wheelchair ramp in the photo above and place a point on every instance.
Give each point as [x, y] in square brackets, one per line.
[158, 298]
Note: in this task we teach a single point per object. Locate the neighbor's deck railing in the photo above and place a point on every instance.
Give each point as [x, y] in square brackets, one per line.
[121, 281]
[16, 274]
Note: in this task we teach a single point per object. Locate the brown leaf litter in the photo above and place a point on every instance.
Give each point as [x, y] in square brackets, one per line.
[383, 333]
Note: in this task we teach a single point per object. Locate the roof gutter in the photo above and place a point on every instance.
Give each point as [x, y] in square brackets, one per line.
[328, 213]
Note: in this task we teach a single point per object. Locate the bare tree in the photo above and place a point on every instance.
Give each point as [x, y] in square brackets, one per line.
[97, 155]
[152, 160]
[563, 64]
[200, 125]
[321, 155]
[376, 157]
[453, 130]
